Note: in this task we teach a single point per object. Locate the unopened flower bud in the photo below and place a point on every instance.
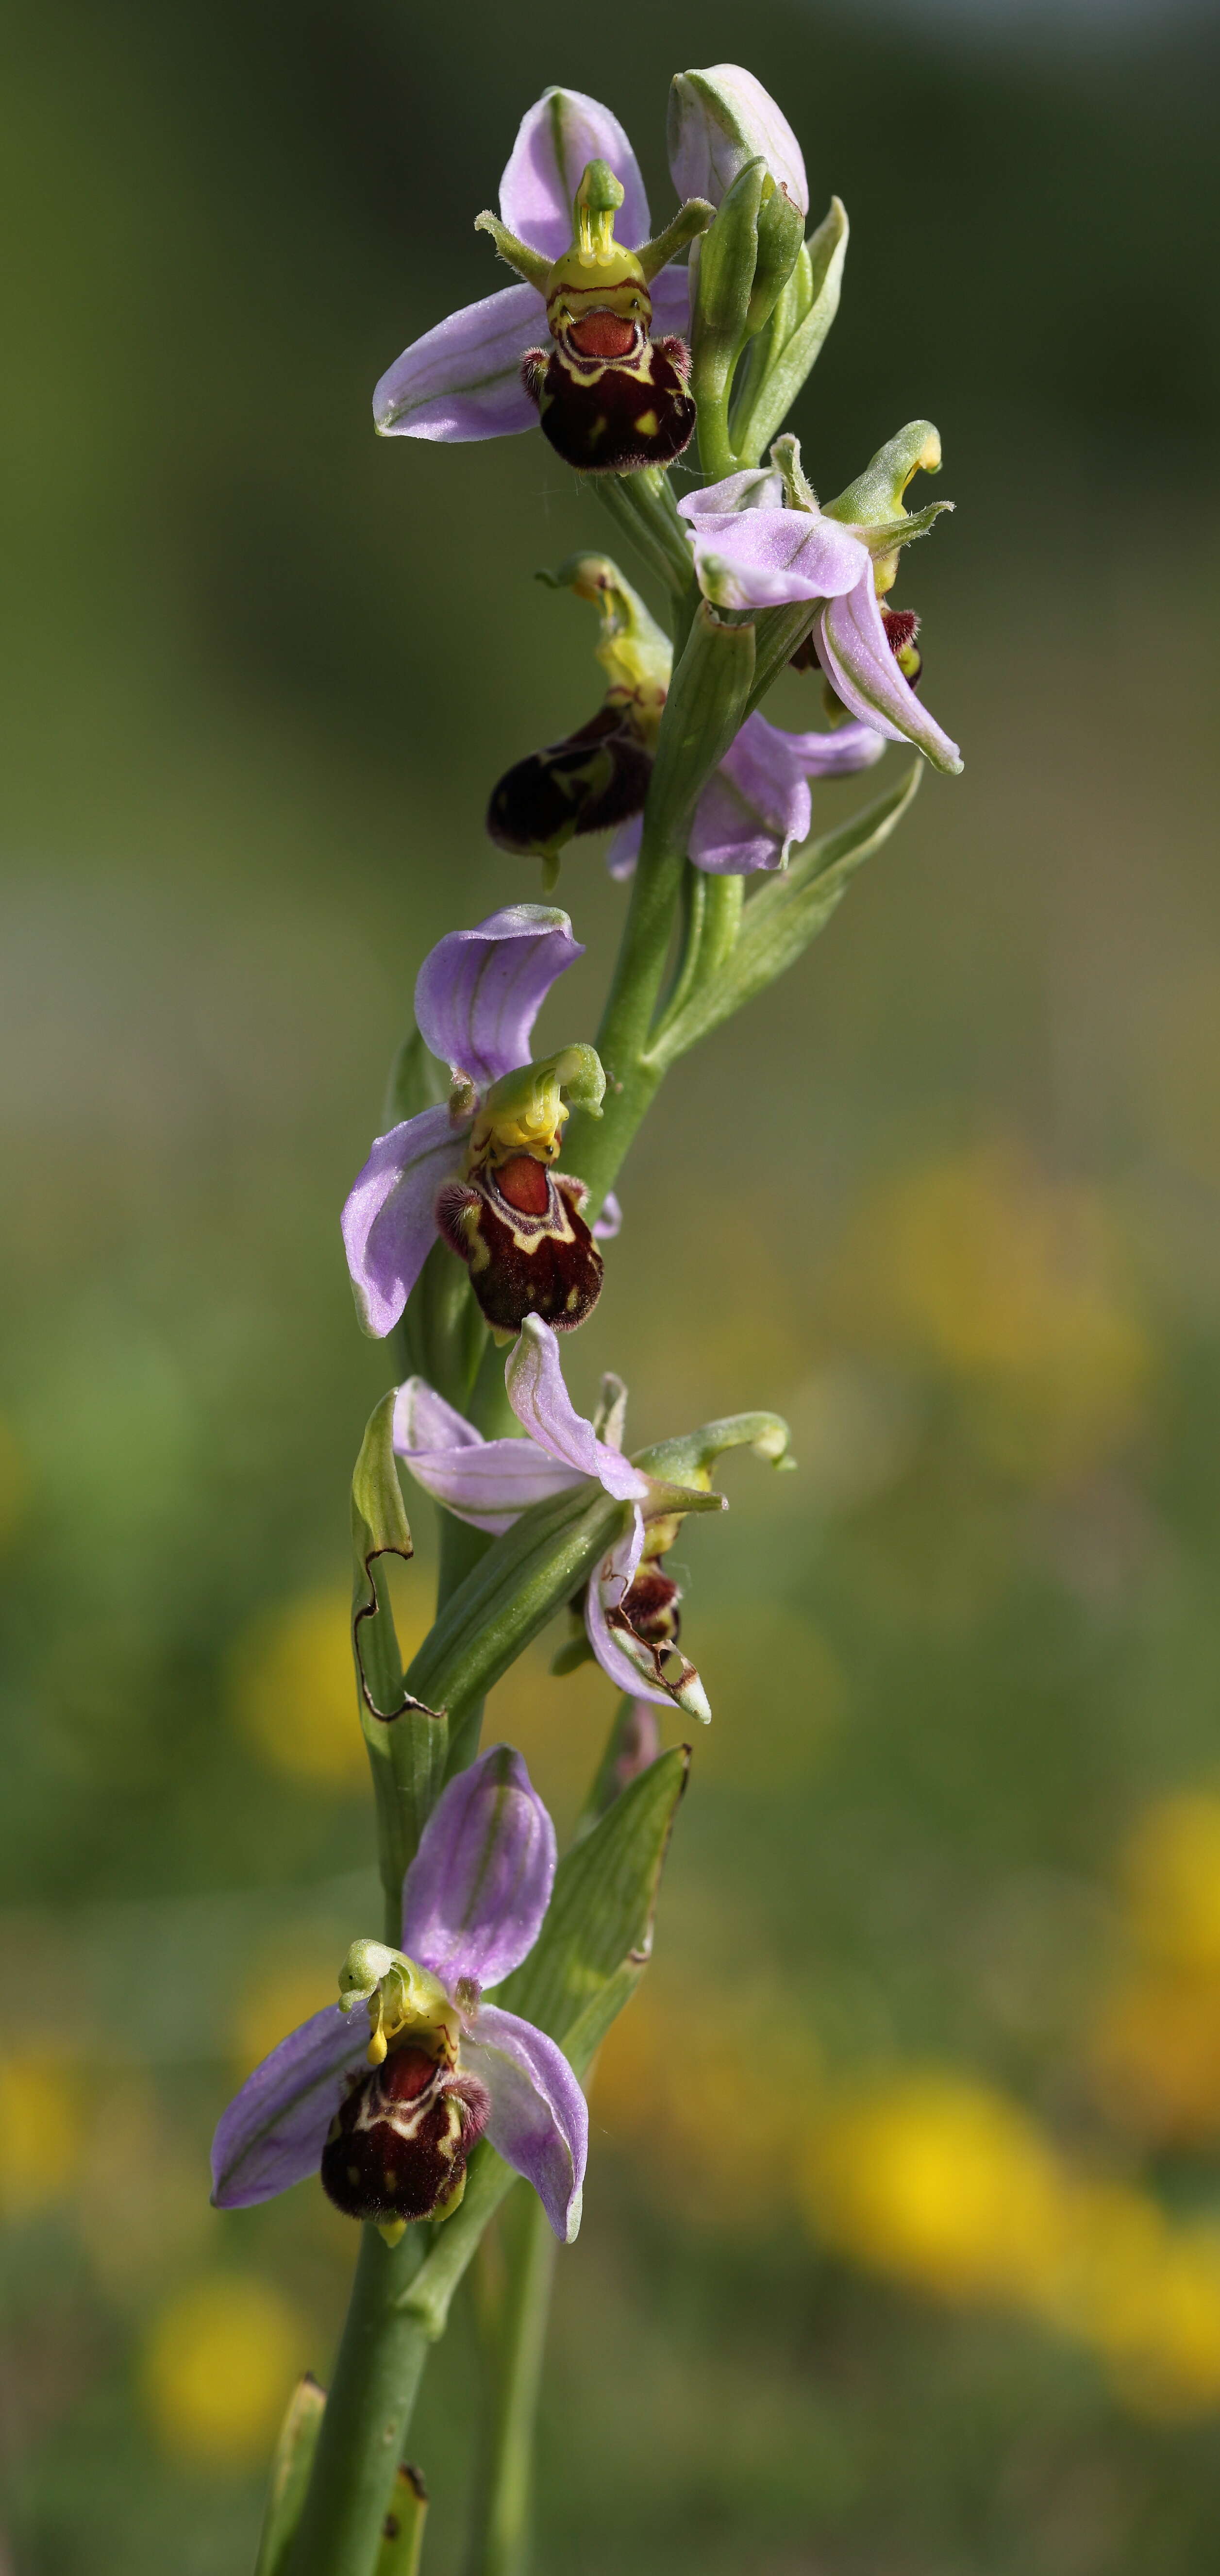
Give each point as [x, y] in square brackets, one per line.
[718, 120]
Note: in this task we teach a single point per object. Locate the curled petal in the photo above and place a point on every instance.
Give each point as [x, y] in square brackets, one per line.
[475, 1894]
[388, 1222]
[610, 1221]
[720, 119]
[274, 2130]
[555, 140]
[759, 558]
[754, 806]
[479, 992]
[544, 1408]
[632, 1665]
[486, 1482]
[462, 380]
[854, 652]
[539, 2121]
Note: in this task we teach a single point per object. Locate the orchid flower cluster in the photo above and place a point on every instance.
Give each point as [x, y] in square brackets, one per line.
[454, 2059]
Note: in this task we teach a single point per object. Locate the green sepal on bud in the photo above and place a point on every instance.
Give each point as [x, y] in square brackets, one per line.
[745, 263]
[784, 350]
[781, 238]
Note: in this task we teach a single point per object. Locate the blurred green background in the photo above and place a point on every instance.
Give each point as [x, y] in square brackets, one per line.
[902, 2253]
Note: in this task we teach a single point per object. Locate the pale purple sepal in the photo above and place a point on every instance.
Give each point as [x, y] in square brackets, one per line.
[389, 1226]
[475, 1894]
[606, 1591]
[462, 379]
[624, 848]
[707, 149]
[544, 1408]
[670, 292]
[756, 805]
[759, 557]
[610, 1221]
[486, 1482]
[539, 2119]
[274, 2130]
[756, 487]
[854, 651]
[555, 140]
[479, 992]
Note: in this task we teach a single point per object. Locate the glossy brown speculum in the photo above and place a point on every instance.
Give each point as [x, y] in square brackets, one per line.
[524, 1242]
[398, 2145]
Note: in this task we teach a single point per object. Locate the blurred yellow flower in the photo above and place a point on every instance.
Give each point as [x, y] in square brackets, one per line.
[1162, 2342]
[1153, 2057]
[1171, 1878]
[42, 2140]
[293, 1692]
[941, 2182]
[1010, 1281]
[709, 2122]
[218, 2367]
[274, 2002]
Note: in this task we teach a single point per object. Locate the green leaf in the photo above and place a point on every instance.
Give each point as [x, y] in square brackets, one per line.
[407, 1739]
[290, 2468]
[417, 1081]
[780, 920]
[589, 1957]
[597, 1937]
[510, 1594]
[403, 2534]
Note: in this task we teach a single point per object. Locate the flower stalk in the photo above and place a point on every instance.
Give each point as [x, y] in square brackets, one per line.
[453, 2062]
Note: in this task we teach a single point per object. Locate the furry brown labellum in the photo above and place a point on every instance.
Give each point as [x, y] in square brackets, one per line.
[608, 408]
[398, 2145]
[589, 782]
[519, 1229]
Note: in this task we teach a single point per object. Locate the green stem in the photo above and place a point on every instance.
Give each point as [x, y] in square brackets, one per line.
[377, 2373]
[498, 2541]
[643, 506]
[705, 706]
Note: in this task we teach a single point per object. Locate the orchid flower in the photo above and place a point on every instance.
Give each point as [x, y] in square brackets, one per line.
[386, 2092]
[463, 379]
[756, 804]
[760, 539]
[629, 1604]
[475, 1172]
